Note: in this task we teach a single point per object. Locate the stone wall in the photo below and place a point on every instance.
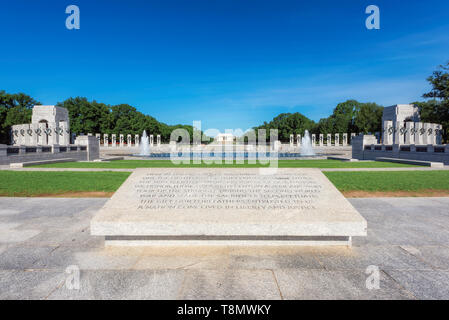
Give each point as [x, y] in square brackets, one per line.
[16, 154]
[87, 148]
[366, 148]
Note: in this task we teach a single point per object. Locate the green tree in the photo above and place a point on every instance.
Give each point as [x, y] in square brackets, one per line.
[368, 118]
[14, 109]
[287, 124]
[86, 117]
[436, 110]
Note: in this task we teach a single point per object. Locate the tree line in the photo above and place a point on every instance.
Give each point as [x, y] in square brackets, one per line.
[347, 117]
[85, 117]
[353, 116]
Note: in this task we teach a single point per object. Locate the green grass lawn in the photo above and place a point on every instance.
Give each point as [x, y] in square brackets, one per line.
[34, 183]
[390, 181]
[28, 184]
[133, 164]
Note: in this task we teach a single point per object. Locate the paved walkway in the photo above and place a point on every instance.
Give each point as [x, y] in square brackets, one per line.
[39, 238]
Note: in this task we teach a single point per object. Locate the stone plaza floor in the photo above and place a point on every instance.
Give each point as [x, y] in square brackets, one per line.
[408, 240]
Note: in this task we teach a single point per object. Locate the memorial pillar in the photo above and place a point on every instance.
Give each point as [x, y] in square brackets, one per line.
[98, 135]
[410, 133]
[158, 140]
[353, 135]
[105, 140]
[136, 140]
[321, 140]
[438, 134]
[345, 139]
[388, 133]
[398, 134]
[122, 140]
[52, 134]
[427, 133]
[28, 135]
[129, 141]
[298, 140]
[337, 139]
[151, 140]
[291, 141]
[22, 135]
[313, 140]
[114, 140]
[433, 135]
[419, 132]
[34, 137]
[329, 140]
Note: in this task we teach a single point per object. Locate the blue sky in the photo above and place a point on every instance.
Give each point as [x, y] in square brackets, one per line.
[231, 64]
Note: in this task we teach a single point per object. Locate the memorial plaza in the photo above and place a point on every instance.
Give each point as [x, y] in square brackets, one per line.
[407, 239]
[327, 216]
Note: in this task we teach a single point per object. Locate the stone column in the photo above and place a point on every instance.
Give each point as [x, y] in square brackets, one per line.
[64, 135]
[345, 139]
[397, 134]
[427, 136]
[434, 136]
[136, 140]
[402, 133]
[385, 127]
[114, 140]
[313, 140]
[122, 140]
[129, 141]
[46, 136]
[34, 137]
[28, 135]
[106, 140]
[337, 139]
[410, 133]
[98, 136]
[292, 139]
[158, 140]
[151, 140]
[22, 135]
[419, 133]
[388, 133]
[353, 135]
[321, 139]
[438, 134]
[52, 134]
[329, 140]
[298, 140]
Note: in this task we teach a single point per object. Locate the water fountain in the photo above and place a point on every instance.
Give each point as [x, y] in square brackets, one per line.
[145, 144]
[306, 147]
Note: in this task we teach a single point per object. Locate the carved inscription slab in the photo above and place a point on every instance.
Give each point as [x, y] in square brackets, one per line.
[291, 202]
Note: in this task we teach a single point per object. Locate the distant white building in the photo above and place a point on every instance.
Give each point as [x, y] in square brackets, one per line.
[224, 138]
